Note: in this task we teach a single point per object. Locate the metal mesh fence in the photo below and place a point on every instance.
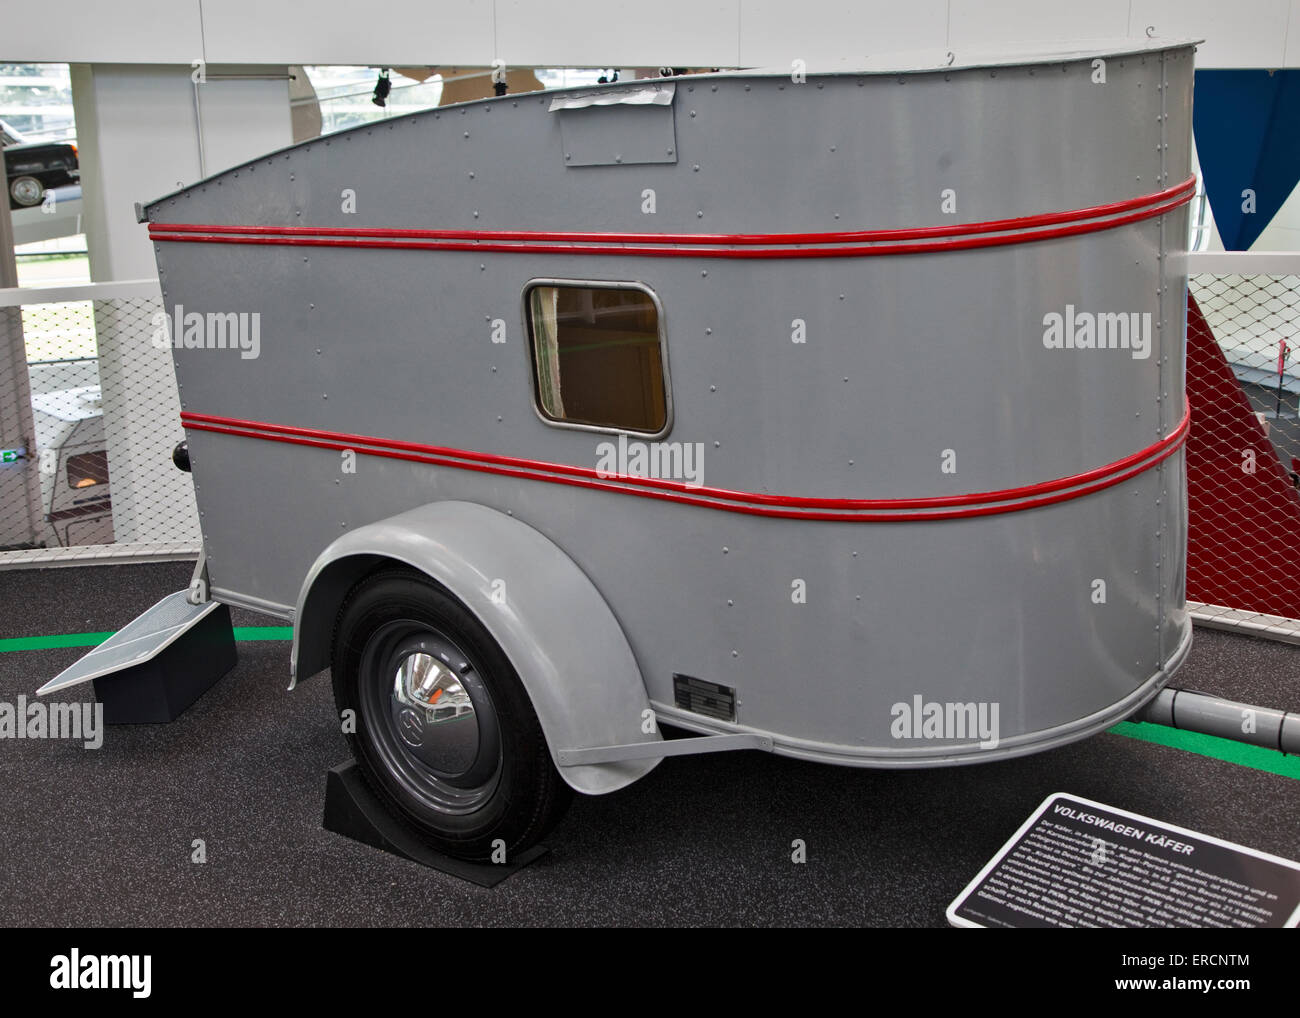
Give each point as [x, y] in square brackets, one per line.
[1243, 456]
[89, 415]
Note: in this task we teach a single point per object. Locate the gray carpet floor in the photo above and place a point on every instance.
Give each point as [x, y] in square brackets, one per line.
[104, 837]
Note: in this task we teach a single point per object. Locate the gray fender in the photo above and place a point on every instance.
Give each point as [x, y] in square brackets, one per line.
[548, 617]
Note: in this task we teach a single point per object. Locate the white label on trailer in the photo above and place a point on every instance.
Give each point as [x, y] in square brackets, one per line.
[1079, 863]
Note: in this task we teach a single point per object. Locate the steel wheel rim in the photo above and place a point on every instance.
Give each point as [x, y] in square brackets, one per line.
[26, 191]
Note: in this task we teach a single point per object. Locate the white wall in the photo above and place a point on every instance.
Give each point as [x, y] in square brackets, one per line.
[138, 138]
[138, 135]
[605, 33]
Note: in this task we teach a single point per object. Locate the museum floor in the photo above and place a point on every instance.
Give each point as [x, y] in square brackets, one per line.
[105, 837]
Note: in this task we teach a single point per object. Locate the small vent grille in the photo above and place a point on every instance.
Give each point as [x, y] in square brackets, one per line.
[706, 698]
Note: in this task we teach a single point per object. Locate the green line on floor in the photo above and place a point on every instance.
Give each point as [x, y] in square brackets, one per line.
[1243, 754]
[251, 634]
[244, 634]
[50, 642]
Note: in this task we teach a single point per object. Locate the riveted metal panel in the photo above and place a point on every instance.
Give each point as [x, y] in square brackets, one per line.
[914, 375]
[617, 135]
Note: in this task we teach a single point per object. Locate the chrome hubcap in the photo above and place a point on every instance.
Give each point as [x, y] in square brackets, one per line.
[27, 191]
[435, 724]
[434, 714]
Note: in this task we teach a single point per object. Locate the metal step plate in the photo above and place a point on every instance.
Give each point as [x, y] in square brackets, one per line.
[141, 640]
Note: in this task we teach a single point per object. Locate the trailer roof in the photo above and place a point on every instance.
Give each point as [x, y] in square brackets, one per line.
[893, 63]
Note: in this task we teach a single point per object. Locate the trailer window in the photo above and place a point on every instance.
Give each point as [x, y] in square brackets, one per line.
[598, 357]
[87, 469]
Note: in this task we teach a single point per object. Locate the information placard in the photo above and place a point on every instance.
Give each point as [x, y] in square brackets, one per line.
[1079, 863]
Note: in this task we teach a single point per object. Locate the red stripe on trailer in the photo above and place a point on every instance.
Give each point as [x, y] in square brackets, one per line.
[752, 503]
[958, 237]
[914, 233]
[723, 494]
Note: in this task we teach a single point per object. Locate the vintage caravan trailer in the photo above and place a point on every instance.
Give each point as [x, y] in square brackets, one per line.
[839, 416]
[75, 491]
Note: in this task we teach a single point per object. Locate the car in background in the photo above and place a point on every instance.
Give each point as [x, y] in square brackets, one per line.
[33, 167]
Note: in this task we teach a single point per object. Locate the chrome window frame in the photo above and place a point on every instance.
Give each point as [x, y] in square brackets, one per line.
[598, 284]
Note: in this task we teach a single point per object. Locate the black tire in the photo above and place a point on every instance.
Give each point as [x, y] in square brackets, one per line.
[26, 191]
[467, 793]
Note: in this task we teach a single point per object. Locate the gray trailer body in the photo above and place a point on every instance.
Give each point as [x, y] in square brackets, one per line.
[922, 374]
